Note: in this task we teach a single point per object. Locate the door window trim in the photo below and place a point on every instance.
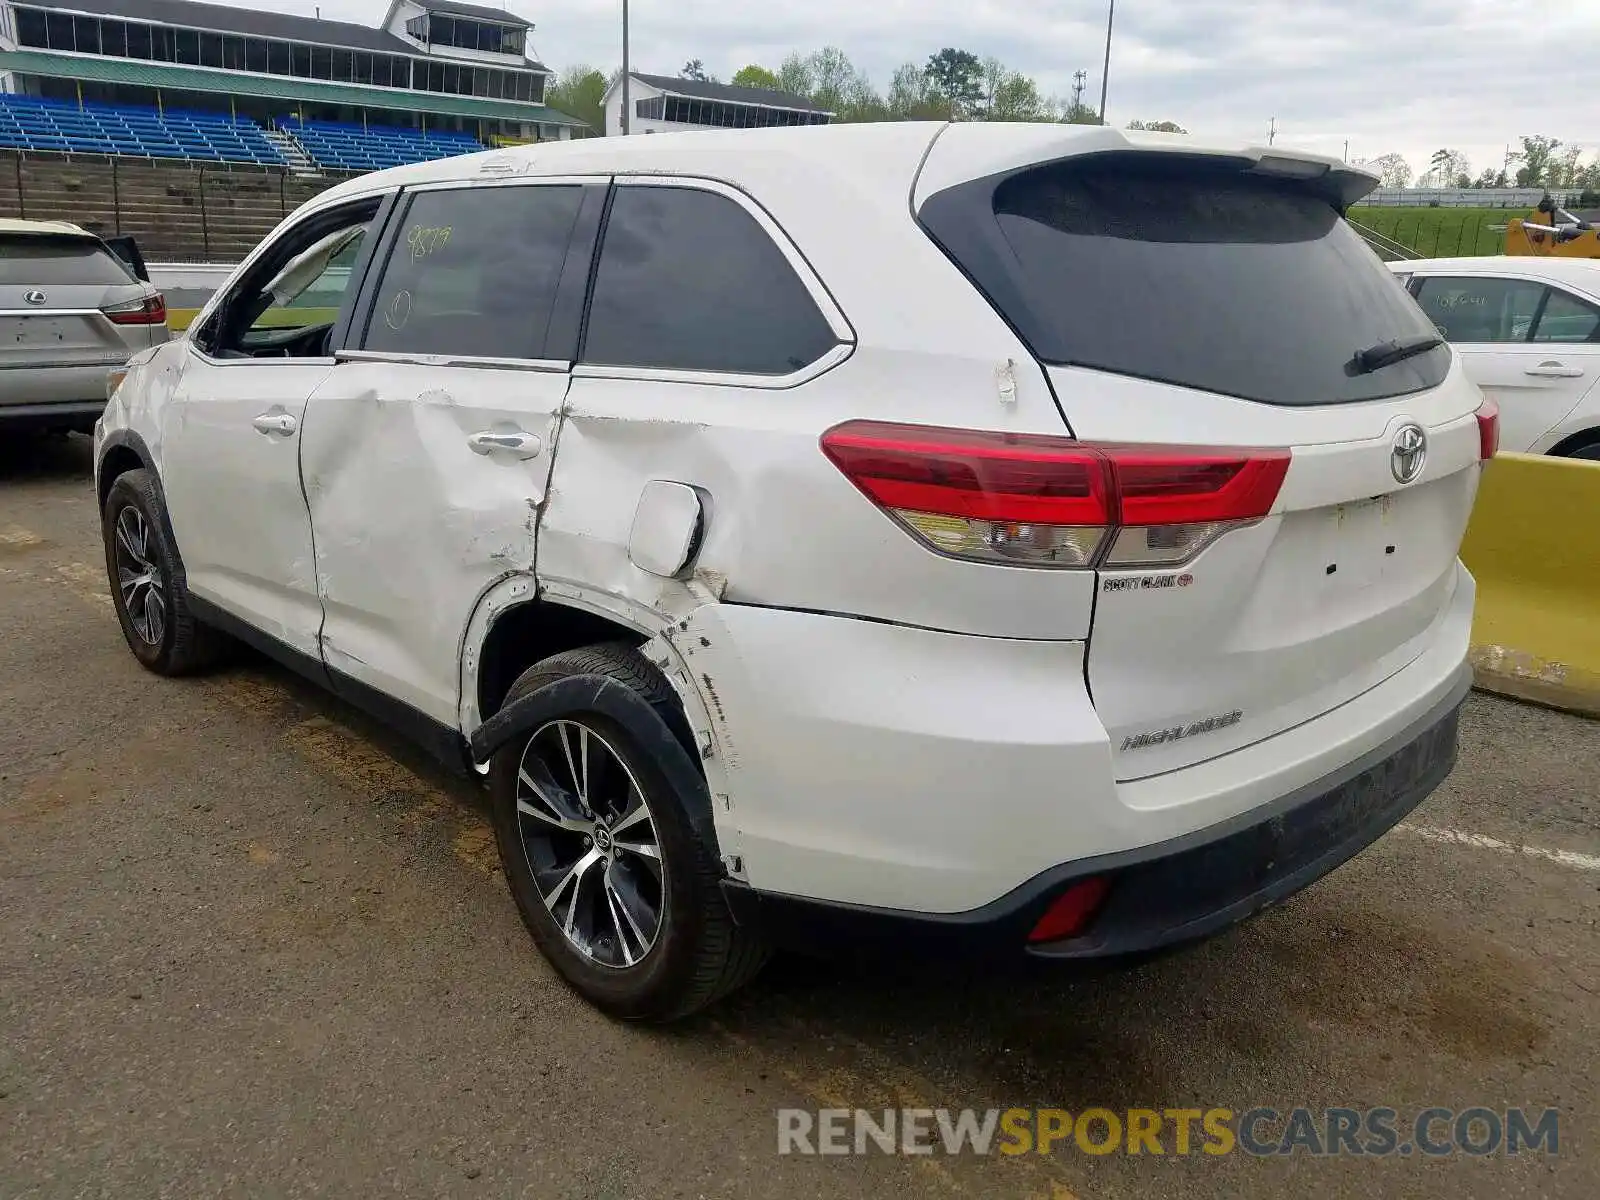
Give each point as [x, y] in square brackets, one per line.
[575, 272]
[352, 295]
[838, 323]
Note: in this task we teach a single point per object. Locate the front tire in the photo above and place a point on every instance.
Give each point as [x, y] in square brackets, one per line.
[620, 893]
[147, 582]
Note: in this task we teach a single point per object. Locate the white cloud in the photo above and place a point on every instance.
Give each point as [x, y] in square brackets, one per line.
[1386, 75]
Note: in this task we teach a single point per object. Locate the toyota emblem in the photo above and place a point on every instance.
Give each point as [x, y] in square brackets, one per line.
[1410, 452]
[35, 297]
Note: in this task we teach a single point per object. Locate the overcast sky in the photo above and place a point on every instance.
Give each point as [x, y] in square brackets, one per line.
[1388, 75]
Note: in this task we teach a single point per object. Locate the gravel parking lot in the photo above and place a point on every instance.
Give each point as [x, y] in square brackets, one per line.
[254, 945]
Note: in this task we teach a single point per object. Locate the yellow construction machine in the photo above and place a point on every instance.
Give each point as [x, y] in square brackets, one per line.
[1552, 232]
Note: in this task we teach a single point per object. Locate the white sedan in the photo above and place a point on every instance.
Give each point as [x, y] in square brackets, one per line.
[1528, 333]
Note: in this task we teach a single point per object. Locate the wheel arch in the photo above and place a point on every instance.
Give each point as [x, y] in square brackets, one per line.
[1575, 441]
[123, 451]
[517, 623]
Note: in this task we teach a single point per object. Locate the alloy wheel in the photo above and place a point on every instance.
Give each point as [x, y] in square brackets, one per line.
[139, 577]
[590, 842]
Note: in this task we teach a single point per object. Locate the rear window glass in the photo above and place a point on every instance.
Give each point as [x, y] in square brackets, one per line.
[1188, 273]
[33, 261]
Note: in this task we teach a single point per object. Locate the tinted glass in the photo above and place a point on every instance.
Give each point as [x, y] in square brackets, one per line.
[1187, 272]
[474, 272]
[689, 281]
[1568, 319]
[1480, 310]
[41, 261]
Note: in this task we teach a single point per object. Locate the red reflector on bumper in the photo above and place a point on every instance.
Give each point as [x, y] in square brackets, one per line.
[1070, 913]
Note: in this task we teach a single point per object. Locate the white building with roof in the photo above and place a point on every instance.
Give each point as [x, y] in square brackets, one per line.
[662, 103]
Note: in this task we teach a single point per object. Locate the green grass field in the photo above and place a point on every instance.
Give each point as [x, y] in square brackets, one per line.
[1440, 232]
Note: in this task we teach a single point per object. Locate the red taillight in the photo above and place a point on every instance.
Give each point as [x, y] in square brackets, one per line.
[1034, 500]
[1070, 913]
[152, 310]
[1488, 429]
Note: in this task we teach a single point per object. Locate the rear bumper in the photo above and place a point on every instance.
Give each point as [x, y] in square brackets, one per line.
[74, 414]
[1178, 891]
[40, 391]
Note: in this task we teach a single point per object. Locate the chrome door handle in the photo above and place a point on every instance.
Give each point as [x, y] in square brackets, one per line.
[1555, 370]
[523, 445]
[279, 423]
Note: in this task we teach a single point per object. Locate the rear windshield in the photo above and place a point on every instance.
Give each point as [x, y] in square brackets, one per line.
[1186, 272]
[38, 261]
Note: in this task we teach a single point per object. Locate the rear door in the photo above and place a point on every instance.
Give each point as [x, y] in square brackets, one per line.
[427, 450]
[1292, 493]
[69, 311]
[1529, 346]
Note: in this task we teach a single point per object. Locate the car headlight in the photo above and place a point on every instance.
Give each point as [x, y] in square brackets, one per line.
[114, 380]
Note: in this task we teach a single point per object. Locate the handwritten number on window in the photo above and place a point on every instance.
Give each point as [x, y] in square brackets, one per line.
[424, 240]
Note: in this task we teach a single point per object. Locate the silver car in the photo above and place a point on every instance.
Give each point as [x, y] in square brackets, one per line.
[71, 310]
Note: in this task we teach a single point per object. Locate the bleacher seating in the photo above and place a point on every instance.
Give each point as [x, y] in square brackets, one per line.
[350, 147]
[33, 123]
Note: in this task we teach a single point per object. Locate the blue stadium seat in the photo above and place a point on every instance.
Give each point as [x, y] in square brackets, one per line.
[36, 123]
[350, 147]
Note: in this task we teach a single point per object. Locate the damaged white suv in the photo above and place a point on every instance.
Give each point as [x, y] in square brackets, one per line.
[1008, 541]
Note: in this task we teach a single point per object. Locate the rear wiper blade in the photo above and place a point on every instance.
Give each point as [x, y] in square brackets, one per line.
[1386, 354]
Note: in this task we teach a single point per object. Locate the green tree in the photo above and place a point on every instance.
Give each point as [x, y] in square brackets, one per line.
[1448, 168]
[1008, 95]
[695, 69]
[1079, 114]
[1538, 156]
[830, 80]
[580, 92]
[795, 75]
[911, 98]
[1392, 170]
[756, 77]
[957, 75]
[1157, 126]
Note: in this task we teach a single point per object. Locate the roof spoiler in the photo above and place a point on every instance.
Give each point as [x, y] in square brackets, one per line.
[1339, 183]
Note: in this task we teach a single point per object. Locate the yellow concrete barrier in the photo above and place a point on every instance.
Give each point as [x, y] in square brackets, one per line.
[1534, 547]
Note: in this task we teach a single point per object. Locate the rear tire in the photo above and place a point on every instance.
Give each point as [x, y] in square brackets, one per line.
[147, 582]
[641, 931]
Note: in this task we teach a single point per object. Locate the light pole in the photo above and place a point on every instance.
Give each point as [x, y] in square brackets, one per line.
[1105, 71]
[627, 114]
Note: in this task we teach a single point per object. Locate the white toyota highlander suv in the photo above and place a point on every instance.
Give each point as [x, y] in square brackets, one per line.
[998, 540]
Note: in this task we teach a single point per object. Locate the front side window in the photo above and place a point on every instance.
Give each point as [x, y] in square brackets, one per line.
[690, 281]
[288, 304]
[473, 272]
[1567, 319]
[1480, 310]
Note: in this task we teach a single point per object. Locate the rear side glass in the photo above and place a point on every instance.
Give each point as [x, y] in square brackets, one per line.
[1481, 310]
[1185, 271]
[690, 281]
[473, 272]
[40, 262]
[1567, 319]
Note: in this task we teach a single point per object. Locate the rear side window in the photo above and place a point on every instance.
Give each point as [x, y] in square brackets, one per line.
[1567, 319]
[1481, 310]
[473, 272]
[1188, 272]
[35, 261]
[689, 281]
